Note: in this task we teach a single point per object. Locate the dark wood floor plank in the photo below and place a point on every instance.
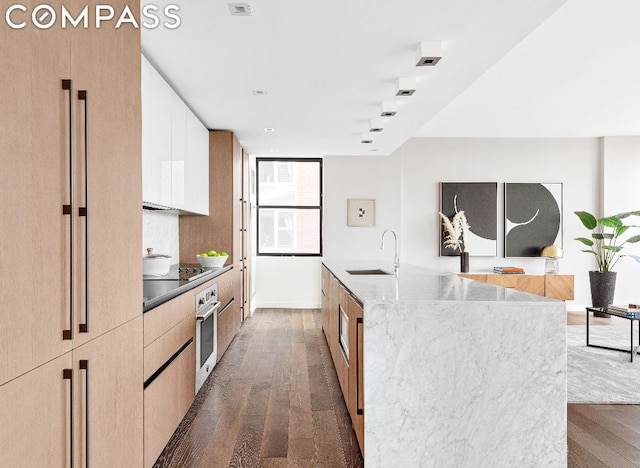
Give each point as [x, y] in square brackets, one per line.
[618, 435]
[588, 438]
[257, 408]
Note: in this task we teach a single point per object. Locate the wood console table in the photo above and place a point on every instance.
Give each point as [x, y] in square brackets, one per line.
[553, 286]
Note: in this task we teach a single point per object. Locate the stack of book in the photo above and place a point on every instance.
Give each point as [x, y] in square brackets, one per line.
[508, 270]
[631, 310]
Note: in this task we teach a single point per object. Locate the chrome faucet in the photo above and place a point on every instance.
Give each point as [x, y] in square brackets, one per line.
[396, 259]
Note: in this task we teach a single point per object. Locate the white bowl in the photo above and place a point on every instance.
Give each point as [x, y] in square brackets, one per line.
[212, 262]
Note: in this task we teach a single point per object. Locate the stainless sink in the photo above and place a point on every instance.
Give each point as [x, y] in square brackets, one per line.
[376, 271]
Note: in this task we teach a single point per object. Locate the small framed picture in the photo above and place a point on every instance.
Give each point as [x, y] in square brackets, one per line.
[361, 212]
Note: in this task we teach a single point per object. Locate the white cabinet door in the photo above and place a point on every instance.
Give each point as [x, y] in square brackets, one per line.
[197, 169]
[175, 148]
[178, 152]
[156, 138]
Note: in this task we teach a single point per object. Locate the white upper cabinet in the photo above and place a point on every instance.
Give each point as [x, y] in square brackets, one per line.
[197, 169]
[175, 148]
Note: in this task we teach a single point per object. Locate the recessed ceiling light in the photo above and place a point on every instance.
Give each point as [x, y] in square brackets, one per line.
[366, 138]
[239, 9]
[373, 149]
[259, 92]
[376, 125]
[269, 129]
[274, 150]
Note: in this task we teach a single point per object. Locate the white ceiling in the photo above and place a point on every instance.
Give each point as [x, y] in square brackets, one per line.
[509, 68]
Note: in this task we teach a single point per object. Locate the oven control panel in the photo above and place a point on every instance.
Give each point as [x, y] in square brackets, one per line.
[206, 297]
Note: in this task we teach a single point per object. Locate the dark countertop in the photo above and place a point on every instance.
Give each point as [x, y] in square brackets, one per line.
[157, 292]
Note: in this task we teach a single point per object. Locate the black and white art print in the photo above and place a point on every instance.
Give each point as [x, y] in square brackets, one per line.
[479, 202]
[532, 218]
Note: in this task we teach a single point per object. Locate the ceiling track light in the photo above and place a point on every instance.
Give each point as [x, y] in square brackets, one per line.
[406, 86]
[366, 139]
[388, 108]
[428, 53]
[376, 125]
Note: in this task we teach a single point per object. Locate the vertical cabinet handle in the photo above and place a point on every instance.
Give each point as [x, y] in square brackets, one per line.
[67, 85]
[67, 374]
[82, 212]
[359, 410]
[84, 365]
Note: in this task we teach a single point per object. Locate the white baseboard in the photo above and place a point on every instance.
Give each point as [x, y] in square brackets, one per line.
[288, 305]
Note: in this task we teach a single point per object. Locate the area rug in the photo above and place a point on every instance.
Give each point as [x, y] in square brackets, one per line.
[598, 375]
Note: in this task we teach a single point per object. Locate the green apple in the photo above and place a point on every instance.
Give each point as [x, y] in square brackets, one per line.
[204, 254]
[224, 254]
[212, 253]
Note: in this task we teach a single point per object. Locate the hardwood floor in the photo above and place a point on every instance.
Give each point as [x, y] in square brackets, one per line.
[602, 435]
[273, 401]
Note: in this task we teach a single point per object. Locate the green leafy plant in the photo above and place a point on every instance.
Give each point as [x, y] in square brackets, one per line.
[605, 242]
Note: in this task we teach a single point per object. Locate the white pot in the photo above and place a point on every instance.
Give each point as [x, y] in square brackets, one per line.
[156, 264]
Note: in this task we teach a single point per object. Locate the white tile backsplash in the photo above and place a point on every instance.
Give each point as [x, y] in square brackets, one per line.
[160, 230]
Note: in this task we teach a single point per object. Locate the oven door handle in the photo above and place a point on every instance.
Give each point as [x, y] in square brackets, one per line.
[207, 311]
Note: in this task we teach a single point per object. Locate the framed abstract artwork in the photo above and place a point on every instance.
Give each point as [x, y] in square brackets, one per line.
[532, 218]
[361, 212]
[479, 201]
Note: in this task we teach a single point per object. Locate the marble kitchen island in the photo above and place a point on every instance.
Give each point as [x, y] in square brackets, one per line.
[458, 373]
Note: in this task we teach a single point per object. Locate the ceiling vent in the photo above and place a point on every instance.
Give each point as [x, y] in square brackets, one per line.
[428, 53]
[239, 9]
[376, 125]
[406, 86]
[366, 138]
[388, 109]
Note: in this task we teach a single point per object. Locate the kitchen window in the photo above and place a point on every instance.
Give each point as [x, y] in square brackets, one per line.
[289, 203]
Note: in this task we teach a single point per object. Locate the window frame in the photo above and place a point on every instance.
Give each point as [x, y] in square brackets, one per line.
[318, 207]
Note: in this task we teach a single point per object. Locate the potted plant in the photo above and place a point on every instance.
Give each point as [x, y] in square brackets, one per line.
[605, 244]
[456, 230]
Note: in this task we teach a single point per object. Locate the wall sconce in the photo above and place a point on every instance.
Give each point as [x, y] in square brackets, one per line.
[552, 253]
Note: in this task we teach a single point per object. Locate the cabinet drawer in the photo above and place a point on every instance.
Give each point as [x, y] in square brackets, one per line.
[166, 316]
[161, 350]
[166, 400]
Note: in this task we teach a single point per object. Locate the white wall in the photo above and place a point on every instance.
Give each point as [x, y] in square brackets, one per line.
[428, 161]
[287, 282]
[622, 193]
[597, 176]
[346, 177]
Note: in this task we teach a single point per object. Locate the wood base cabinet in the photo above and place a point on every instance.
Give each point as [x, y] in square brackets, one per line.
[554, 286]
[343, 326]
[86, 404]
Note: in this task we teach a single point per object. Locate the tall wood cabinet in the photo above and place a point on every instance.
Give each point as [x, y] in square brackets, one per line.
[70, 296]
[225, 229]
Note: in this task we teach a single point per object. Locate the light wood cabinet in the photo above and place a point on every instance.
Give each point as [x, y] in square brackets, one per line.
[355, 401]
[109, 399]
[553, 286]
[169, 394]
[34, 184]
[89, 399]
[36, 414]
[71, 191]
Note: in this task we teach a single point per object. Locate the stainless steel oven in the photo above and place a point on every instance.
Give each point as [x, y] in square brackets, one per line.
[207, 306]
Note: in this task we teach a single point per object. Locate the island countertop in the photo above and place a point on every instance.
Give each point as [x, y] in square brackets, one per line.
[458, 372]
[415, 283]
